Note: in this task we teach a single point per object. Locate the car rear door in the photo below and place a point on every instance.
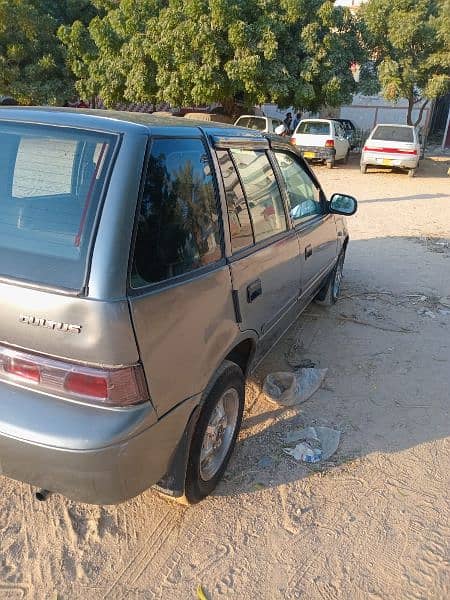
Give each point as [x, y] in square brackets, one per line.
[315, 227]
[340, 141]
[180, 285]
[264, 261]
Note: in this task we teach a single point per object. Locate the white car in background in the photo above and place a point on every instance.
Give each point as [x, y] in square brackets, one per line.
[321, 140]
[392, 145]
[267, 124]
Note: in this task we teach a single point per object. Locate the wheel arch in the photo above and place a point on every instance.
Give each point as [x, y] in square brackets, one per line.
[241, 353]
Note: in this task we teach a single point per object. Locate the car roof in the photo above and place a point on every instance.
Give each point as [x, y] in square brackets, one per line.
[117, 121]
[252, 117]
[393, 125]
[313, 119]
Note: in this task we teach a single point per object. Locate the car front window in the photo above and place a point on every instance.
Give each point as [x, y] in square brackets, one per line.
[303, 195]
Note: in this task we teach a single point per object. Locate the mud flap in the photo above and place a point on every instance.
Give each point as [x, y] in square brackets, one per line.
[172, 484]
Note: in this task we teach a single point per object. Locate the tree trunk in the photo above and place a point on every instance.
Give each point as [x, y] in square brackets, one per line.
[410, 109]
[228, 105]
[422, 108]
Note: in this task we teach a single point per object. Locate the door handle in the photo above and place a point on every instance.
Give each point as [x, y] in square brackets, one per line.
[254, 290]
[308, 251]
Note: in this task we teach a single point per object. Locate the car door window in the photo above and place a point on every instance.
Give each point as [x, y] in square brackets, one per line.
[303, 194]
[275, 124]
[178, 225]
[262, 192]
[239, 222]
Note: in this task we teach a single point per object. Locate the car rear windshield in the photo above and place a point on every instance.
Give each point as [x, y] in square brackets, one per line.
[393, 133]
[252, 123]
[51, 179]
[314, 128]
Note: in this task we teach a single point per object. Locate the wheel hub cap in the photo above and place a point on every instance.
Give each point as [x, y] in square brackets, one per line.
[219, 434]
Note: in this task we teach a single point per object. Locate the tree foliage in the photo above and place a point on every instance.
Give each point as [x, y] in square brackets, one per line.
[109, 57]
[32, 60]
[202, 51]
[409, 41]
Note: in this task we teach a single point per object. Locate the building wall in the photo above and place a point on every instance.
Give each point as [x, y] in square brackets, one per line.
[367, 111]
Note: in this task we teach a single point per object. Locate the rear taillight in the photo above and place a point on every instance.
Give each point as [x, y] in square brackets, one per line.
[329, 144]
[108, 387]
[23, 369]
[413, 151]
[86, 385]
[292, 141]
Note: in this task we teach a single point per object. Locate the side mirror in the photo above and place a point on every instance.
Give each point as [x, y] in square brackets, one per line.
[341, 204]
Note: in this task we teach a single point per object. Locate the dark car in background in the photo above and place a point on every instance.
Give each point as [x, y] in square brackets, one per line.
[8, 101]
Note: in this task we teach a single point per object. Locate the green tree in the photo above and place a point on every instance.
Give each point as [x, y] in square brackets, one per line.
[110, 57]
[32, 59]
[408, 41]
[202, 51]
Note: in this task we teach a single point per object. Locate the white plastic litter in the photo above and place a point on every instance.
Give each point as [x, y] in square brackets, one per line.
[305, 453]
[315, 443]
[288, 389]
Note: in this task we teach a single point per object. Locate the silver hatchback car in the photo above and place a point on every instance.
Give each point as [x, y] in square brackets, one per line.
[147, 264]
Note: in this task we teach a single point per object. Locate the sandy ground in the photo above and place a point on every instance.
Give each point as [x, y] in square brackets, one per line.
[371, 523]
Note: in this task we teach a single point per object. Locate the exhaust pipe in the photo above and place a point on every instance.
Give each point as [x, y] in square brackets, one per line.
[42, 495]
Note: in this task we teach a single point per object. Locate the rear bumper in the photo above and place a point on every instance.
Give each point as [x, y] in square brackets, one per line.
[317, 152]
[103, 457]
[389, 160]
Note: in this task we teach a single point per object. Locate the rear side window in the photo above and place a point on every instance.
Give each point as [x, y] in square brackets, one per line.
[314, 128]
[51, 179]
[178, 227]
[393, 134]
[347, 125]
[252, 123]
[238, 214]
[262, 192]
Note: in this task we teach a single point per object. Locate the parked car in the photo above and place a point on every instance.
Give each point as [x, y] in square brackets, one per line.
[392, 145]
[350, 132]
[267, 124]
[321, 140]
[209, 117]
[147, 266]
[8, 101]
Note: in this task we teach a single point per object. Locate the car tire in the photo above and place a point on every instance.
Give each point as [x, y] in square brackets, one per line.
[346, 157]
[329, 293]
[330, 163]
[219, 421]
[412, 172]
[363, 169]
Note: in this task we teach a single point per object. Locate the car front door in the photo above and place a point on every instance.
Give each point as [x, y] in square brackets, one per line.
[264, 262]
[315, 227]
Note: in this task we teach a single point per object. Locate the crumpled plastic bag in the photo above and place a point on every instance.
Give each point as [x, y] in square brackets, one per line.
[316, 443]
[305, 453]
[288, 389]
